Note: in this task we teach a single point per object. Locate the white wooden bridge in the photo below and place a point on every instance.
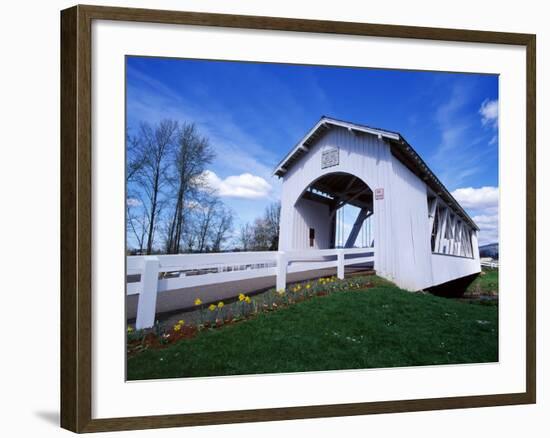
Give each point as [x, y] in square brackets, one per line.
[423, 237]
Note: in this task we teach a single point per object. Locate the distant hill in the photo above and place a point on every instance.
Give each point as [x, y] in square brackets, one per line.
[489, 250]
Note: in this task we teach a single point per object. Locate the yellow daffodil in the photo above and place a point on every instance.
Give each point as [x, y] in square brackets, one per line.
[308, 286]
[129, 329]
[241, 297]
[247, 300]
[220, 304]
[177, 328]
[181, 322]
[281, 292]
[198, 302]
[212, 307]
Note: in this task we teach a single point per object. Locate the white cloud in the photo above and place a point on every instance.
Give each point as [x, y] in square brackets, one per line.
[133, 202]
[484, 220]
[483, 201]
[489, 112]
[482, 198]
[245, 185]
[488, 228]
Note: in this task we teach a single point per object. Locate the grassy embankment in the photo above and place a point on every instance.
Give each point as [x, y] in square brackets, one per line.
[378, 326]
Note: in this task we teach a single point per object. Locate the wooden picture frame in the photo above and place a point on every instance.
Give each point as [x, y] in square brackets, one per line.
[76, 217]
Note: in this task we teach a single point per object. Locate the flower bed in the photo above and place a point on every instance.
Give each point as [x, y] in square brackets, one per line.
[211, 316]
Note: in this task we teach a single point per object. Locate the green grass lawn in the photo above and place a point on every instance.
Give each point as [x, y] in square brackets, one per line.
[485, 284]
[383, 326]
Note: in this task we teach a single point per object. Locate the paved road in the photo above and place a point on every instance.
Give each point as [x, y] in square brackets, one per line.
[180, 299]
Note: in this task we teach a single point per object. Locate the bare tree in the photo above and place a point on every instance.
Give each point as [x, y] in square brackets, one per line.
[191, 154]
[137, 222]
[190, 239]
[261, 238]
[168, 198]
[271, 218]
[223, 224]
[134, 157]
[154, 146]
[246, 237]
[136, 217]
[265, 230]
[205, 220]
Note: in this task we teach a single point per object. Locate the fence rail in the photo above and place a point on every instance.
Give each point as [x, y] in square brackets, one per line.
[149, 275]
[488, 264]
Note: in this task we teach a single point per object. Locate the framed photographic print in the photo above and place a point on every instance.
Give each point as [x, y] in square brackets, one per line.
[285, 218]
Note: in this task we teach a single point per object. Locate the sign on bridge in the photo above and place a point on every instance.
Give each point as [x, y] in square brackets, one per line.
[330, 158]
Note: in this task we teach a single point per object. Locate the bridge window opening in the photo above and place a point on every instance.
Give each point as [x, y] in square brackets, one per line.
[467, 243]
[449, 228]
[449, 234]
[435, 227]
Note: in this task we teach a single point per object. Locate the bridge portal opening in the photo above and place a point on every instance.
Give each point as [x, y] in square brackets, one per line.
[335, 211]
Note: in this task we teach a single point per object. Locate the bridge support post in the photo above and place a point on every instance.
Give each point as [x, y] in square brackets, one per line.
[281, 270]
[147, 301]
[340, 269]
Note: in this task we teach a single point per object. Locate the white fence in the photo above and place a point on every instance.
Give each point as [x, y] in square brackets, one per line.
[162, 273]
[489, 264]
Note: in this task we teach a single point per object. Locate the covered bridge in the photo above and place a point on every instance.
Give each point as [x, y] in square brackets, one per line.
[421, 236]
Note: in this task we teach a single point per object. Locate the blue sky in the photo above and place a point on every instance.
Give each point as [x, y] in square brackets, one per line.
[255, 113]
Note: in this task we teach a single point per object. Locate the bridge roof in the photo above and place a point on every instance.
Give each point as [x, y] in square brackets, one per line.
[400, 148]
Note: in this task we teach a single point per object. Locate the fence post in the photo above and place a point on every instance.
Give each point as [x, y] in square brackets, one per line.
[281, 270]
[341, 264]
[147, 300]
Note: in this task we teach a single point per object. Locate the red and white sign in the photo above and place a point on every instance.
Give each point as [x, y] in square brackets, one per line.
[378, 194]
